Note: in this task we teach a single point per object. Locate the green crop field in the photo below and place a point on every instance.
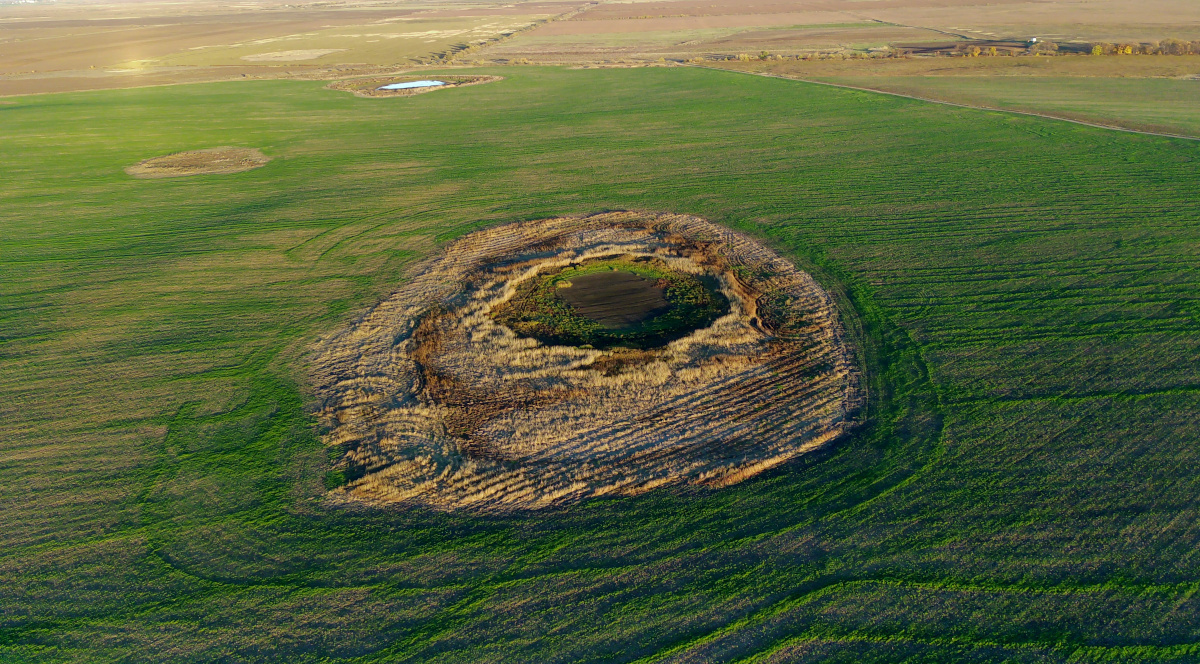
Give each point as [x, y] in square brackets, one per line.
[1154, 104]
[1024, 292]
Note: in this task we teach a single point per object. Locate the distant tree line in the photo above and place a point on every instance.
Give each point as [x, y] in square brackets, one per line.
[981, 49]
[1037, 47]
[1164, 47]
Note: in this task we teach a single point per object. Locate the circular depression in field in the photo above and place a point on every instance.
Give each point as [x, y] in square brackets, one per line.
[546, 362]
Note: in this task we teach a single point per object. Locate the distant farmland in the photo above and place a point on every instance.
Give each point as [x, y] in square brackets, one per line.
[1024, 290]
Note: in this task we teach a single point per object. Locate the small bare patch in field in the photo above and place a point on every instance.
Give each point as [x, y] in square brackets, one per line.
[199, 162]
[369, 87]
[433, 401]
[291, 56]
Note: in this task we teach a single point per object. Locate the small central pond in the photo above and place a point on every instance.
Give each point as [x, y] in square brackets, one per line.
[411, 84]
[614, 299]
[620, 301]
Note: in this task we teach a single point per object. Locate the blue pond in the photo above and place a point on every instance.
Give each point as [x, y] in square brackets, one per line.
[410, 84]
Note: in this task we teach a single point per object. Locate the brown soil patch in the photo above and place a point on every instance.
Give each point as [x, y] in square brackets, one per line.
[692, 8]
[433, 402]
[369, 87]
[591, 26]
[77, 36]
[199, 162]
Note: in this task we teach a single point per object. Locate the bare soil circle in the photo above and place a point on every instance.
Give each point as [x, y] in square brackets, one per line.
[199, 162]
[436, 398]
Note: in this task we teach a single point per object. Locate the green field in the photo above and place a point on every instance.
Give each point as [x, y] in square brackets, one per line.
[1154, 104]
[1025, 292]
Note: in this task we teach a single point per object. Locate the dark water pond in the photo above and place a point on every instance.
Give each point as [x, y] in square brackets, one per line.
[615, 299]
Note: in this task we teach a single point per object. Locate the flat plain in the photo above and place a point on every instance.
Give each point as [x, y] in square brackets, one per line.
[676, 29]
[1023, 292]
[82, 45]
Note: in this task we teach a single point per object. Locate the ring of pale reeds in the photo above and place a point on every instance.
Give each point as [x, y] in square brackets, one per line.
[430, 401]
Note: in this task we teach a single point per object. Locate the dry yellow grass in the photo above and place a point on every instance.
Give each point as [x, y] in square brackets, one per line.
[442, 406]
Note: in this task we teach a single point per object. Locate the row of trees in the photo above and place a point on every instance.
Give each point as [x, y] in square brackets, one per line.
[1164, 47]
[975, 51]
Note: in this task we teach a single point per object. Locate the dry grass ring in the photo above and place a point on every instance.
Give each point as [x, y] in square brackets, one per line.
[434, 402]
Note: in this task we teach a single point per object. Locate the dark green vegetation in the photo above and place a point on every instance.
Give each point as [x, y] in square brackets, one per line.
[591, 304]
[1025, 490]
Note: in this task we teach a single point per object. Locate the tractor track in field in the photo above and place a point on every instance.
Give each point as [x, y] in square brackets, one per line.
[1035, 114]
